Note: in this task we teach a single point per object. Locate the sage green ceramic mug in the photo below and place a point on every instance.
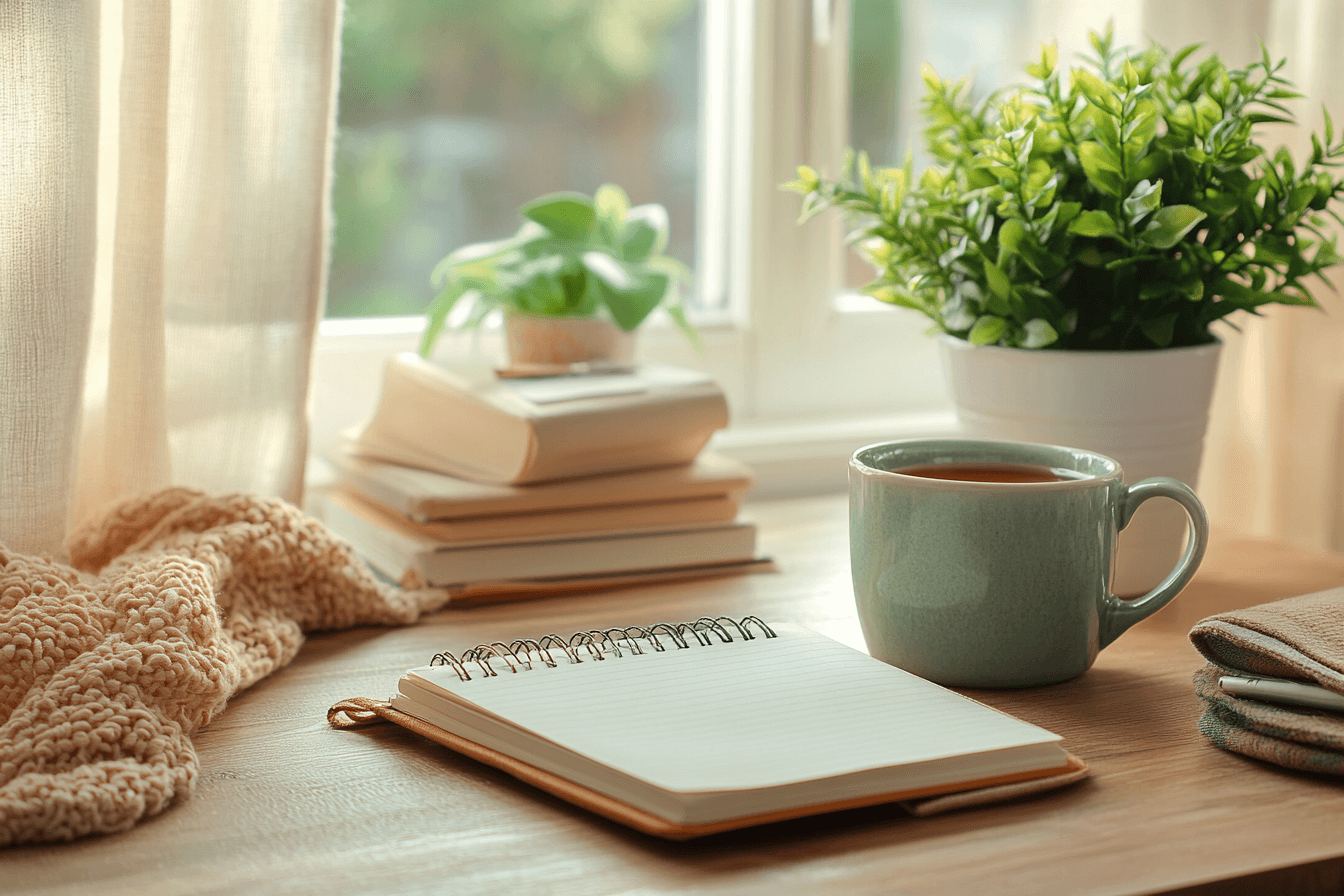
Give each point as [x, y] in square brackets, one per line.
[970, 580]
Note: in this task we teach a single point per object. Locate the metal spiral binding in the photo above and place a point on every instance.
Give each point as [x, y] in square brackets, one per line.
[599, 644]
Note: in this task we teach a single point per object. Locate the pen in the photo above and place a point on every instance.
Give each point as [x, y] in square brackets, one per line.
[1279, 690]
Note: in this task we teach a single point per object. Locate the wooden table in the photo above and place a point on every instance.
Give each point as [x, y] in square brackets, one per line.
[286, 805]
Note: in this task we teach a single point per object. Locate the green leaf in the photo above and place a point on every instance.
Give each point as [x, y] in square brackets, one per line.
[1094, 223]
[1148, 167]
[1221, 204]
[1130, 74]
[987, 330]
[541, 293]
[1065, 212]
[1182, 54]
[1097, 91]
[1326, 254]
[997, 280]
[611, 205]
[932, 82]
[955, 312]
[645, 232]
[1298, 201]
[893, 295]
[1273, 248]
[1181, 119]
[678, 315]
[1039, 334]
[1144, 198]
[1041, 180]
[567, 215]
[1288, 298]
[471, 253]
[1010, 237]
[629, 293]
[437, 315]
[610, 201]
[1140, 132]
[1101, 167]
[1046, 67]
[1207, 114]
[1160, 329]
[807, 181]
[1170, 225]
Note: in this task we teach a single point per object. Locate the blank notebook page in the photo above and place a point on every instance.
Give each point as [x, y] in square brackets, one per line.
[741, 715]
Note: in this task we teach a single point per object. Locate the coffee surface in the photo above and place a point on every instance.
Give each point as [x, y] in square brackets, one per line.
[989, 472]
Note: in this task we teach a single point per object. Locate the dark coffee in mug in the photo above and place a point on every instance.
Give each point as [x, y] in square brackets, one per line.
[992, 472]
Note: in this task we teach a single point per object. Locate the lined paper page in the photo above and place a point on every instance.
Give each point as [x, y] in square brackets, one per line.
[742, 715]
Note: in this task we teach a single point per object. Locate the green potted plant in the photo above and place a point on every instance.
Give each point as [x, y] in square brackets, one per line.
[1077, 237]
[574, 282]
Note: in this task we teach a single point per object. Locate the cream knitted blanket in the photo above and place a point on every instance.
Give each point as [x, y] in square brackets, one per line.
[173, 604]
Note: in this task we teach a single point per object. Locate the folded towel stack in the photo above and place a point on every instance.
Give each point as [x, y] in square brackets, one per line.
[1298, 638]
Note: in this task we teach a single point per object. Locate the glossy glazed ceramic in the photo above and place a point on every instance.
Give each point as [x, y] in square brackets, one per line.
[991, 584]
[1146, 409]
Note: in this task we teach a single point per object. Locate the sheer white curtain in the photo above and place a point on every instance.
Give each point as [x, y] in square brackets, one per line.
[1274, 462]
[164, 180]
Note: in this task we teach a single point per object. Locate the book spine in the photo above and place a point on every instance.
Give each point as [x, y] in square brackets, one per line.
[628, 552]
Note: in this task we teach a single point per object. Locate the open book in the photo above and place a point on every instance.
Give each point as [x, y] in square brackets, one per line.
[700, 727]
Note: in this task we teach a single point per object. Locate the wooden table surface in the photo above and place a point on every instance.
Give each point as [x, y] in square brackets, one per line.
[285, 804]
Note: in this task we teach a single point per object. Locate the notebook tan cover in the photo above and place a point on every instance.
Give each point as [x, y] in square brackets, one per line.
[359, 711]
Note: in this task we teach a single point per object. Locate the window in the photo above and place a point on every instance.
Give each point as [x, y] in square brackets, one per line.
[453, 114]
[706, 107]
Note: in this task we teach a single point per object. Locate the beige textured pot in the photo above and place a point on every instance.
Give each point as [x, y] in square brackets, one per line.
[1146, 409]
[566, 340]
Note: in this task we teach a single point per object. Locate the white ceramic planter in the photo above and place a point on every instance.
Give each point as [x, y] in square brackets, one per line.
[566, 340]
[1146, 409]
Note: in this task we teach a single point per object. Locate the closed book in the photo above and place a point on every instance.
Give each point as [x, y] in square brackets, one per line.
[702, 726]
[561, 523]
[403, 552]
[464, 420]
[473, 593]
[426, 495]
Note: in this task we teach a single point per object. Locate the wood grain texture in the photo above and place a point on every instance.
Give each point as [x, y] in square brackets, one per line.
[286, 804]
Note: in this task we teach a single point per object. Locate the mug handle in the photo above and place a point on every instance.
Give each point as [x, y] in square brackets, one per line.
[1118, 615]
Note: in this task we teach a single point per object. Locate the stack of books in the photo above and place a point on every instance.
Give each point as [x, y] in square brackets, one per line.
[497, 487]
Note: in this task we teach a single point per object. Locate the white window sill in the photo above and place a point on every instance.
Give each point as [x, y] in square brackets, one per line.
[811, 457]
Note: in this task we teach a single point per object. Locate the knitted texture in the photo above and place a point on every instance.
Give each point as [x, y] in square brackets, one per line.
[173, 603]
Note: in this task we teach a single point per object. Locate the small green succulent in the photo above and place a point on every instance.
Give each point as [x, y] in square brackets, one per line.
[572, 257]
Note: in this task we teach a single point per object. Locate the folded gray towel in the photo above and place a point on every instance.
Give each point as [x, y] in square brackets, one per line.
[1300, 638]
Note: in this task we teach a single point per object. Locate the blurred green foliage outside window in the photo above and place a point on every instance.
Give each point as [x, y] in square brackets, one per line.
[455, 112]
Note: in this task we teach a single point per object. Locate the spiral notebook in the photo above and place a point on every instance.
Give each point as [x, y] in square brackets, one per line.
[687, 729]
